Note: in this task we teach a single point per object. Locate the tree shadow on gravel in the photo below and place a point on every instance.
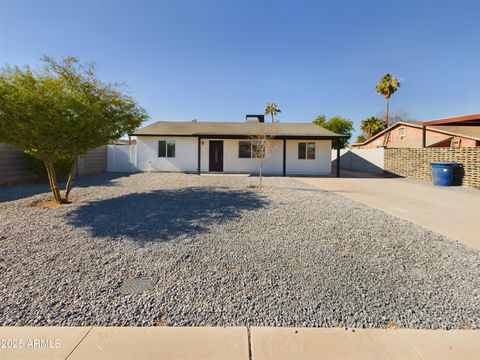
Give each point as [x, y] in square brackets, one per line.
[27, 189]
[162, 215]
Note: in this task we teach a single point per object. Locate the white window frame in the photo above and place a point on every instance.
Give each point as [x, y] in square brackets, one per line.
[402, 131]
[167, 142]
[252, 153]
[306, 150]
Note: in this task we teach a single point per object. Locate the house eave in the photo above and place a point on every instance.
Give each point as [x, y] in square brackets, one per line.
[229, 136]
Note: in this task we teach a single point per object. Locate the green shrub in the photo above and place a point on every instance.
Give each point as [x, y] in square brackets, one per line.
[62, 167]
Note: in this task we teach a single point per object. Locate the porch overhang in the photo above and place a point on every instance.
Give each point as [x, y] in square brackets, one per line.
[278, 137]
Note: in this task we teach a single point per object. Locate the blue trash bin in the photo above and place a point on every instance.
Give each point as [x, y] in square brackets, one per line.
[442, 173]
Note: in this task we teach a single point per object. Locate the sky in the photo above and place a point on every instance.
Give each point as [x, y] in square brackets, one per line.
[218, 60]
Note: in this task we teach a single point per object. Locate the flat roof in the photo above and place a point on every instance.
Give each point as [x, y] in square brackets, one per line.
[237, 130]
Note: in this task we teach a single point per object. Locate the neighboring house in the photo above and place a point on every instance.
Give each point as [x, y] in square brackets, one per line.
[296, 148]
[459, 131]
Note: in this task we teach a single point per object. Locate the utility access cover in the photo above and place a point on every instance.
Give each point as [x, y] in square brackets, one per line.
[137, 285]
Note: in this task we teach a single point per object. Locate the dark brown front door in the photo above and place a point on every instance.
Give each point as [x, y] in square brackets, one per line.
[216, 156]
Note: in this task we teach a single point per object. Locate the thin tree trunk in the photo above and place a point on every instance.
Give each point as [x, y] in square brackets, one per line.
[260, 185]
[52, 178]
[273, 120]
[48, 175]
[56, 189]
[71, 175]
[387, 113]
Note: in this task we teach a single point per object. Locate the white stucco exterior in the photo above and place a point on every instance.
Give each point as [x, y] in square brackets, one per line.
[186, 157]
[185, 154]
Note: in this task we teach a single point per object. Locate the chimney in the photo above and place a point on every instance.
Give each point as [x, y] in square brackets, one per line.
[255, 118]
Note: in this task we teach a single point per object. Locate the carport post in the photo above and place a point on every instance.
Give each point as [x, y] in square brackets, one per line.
[199, 155]
[284, 157]
[338, 158]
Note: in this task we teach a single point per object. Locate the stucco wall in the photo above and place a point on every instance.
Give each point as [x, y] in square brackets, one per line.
[321, 164]
[186, 160]
[233, 164]
[185, 154]
[364, 160]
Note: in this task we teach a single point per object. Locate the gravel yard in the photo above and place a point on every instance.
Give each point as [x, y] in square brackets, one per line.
[289, 255]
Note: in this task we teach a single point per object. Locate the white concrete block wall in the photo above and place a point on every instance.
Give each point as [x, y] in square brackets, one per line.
[186, 150]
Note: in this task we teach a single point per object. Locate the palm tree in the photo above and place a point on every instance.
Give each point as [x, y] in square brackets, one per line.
[361, 138]
[272, 109]
[372, 126]
[387, 85]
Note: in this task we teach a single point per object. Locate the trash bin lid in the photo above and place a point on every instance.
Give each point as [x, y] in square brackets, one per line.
[445, 163]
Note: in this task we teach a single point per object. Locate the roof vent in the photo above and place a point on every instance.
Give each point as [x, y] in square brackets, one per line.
[255, 118]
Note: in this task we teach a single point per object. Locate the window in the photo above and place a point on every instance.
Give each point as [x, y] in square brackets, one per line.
[257, 149]
[402, 131]
[306, 151]
[311, 151]
[302, 150]
[250, 149]
[244, 149]
[166, 148]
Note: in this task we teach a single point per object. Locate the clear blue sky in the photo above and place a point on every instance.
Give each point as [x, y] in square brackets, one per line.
[217, 60]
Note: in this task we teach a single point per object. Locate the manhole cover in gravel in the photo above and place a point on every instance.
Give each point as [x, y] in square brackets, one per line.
[137, 285]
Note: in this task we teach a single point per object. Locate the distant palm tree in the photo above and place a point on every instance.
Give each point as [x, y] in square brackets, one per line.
[372, 126]
[387, 85]
[272, 109]
[361, 138]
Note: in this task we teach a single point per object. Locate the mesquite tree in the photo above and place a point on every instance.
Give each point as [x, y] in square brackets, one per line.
[262, 147]
[61, 111]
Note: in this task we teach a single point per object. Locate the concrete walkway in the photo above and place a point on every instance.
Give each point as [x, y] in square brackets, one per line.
[449, 211]
[258, 343]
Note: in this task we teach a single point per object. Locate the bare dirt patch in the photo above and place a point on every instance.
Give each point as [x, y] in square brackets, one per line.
[52, 204]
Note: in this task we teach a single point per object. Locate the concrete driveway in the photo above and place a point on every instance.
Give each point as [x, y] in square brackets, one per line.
[449, 211]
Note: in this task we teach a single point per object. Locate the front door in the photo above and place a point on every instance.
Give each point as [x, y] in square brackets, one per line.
[216, 156]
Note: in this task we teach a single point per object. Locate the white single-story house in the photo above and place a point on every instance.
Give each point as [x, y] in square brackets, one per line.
[230, 147]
